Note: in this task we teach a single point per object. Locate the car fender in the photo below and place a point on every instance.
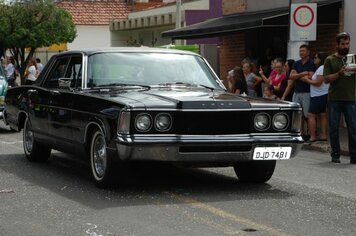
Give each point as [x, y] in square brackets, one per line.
[95, 123]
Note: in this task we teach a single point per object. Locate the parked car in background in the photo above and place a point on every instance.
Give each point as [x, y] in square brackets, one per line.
[3, 89]
[121, 105]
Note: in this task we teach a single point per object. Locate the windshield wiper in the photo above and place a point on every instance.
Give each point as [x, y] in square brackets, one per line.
[186, 84]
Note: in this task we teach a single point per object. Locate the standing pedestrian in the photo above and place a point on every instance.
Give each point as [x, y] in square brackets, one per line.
[276, 78]
[288, 83]
[237, 80]
[31, 72]
[252, 79]
[318, 100]
[303, 68]
[342, 97]
[39, 66]
[10, 71]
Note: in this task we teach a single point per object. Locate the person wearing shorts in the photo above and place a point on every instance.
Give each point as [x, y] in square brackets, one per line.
[318, 100]
[302, 69]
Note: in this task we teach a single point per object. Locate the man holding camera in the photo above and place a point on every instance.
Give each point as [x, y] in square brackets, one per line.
[342, 97]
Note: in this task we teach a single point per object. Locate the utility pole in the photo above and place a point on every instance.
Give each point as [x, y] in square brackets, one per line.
[293, 46]
[178, 13]
[178, 18]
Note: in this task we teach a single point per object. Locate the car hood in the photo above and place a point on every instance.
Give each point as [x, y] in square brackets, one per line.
[189, 98]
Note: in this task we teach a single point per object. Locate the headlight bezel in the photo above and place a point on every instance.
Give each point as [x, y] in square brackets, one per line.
[156, 120]
[268, 125]
[136, 122]
[274, 121]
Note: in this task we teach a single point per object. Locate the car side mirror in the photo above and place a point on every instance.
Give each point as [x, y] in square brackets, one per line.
[64, 83]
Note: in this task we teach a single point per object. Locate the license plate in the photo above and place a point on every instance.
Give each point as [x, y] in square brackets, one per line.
[272, 153]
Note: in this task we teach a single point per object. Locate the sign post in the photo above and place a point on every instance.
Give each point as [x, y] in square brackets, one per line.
[302, 26]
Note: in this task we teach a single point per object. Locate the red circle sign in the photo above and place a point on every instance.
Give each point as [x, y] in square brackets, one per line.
[303, 22]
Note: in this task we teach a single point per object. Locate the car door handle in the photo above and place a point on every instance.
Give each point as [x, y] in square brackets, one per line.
[55, 92]
[32, 91]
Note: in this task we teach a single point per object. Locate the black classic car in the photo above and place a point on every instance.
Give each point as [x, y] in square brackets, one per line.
[121, 105]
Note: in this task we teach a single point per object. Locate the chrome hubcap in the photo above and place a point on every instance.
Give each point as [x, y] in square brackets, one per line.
[28, 138]
[99, 156]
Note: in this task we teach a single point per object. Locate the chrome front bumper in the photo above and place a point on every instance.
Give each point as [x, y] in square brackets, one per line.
[218, 148]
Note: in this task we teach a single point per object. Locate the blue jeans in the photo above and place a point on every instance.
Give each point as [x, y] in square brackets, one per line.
[348, 108]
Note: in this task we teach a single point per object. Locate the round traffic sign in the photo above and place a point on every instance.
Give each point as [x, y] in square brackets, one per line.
[303, 16]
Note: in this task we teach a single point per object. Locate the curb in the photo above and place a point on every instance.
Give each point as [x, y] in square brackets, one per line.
[321, 146]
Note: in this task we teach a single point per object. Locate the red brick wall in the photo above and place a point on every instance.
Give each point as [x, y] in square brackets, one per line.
[233, 6]
[232, 49]
[231, 52]
[325, 39]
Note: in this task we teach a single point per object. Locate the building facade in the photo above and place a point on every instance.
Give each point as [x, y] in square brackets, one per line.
[145, 24]
[261, 28]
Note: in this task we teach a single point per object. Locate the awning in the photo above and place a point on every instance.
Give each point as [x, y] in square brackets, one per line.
[328, 14]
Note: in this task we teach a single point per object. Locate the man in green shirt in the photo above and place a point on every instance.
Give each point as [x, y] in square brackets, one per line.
[342, 97]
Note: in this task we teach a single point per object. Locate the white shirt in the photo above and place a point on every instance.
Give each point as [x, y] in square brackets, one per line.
[32, 73]
[39, 67]
[10, 69]
[323, 89]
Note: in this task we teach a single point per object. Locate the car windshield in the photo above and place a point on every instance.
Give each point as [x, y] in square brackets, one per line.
[106, 69]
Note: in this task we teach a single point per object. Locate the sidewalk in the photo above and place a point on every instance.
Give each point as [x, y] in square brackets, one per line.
[323, 146]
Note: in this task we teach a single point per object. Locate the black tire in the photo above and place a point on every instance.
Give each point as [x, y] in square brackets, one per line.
[34, 151]
[255, 171]
[101, 164]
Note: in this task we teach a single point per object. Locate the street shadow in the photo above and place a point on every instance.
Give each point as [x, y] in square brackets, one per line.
[147, 184]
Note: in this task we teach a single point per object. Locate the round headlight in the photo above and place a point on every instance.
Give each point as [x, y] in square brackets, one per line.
[163, 122]
[280, 121]
[261, 121]
[143, 122]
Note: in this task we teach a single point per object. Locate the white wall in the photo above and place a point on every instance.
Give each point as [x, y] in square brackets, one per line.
[350, 20]
[91, 36]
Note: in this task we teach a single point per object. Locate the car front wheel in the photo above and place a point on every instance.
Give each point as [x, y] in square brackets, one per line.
[255, 171]
[34, 151]
[100, 162]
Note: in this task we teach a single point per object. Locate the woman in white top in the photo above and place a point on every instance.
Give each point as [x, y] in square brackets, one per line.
[10, 71]
[31, 73]
[318, 99]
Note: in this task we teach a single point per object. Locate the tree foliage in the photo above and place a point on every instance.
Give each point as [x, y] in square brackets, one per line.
[32, 24]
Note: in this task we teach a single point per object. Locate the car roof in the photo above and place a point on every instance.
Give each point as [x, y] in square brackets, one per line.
[91, 51]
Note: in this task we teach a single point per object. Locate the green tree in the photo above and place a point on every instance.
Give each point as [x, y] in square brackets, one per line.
[32, 24]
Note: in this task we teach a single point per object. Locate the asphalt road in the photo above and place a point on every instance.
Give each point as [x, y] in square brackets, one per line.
[307, 195]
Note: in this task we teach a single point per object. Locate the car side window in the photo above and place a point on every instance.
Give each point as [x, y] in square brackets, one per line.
[74, 72]
[57, 73]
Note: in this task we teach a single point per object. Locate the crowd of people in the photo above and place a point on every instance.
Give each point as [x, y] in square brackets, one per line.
[12, 71]
[322, 85]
